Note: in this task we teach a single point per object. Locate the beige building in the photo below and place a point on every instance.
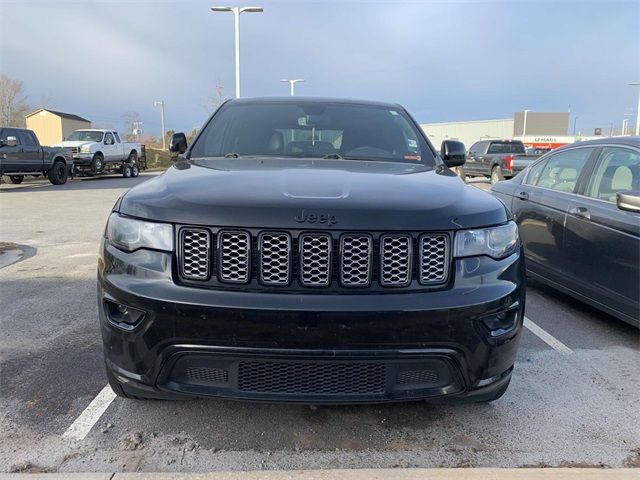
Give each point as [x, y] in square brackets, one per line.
[52, 127]
[468, 132]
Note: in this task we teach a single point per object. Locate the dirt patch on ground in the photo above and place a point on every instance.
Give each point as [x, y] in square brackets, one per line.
[6, 246]
[633, 460]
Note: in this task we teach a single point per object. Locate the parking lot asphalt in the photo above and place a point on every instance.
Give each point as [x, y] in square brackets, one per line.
[573, 400]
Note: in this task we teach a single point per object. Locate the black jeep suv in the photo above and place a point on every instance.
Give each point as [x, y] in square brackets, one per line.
[307, 250]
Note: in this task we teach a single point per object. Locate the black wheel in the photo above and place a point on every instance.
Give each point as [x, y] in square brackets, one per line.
[97, 164]
[58, 173]
[133, 158]
[16, 179]
[135, 171]
[496, 174]
[127, 171]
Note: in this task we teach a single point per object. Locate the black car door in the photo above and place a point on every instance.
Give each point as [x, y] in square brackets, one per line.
[602, 242]
[539, 207]
[472, 155]
[31, 153]
[10, 155]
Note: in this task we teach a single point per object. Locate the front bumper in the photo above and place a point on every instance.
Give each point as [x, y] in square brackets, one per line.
[82, 159]
[311, 348]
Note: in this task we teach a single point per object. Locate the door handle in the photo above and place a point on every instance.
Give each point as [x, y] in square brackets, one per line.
[522, 195]
[582, 212]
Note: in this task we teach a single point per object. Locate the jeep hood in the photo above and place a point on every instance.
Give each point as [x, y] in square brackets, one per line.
[271, 192]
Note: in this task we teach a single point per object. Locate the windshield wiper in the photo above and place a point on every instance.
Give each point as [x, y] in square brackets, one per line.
[333, 156]
[232, 155]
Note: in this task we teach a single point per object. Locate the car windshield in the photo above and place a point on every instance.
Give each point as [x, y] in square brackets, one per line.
[85, 135]
[313, 129]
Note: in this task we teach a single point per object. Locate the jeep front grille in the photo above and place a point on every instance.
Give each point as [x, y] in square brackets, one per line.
[234, 257]
[355, 260]
[347, 260]
[434, 258]
[194, 252]
[395, 260]
[315, 259]
[275, 258]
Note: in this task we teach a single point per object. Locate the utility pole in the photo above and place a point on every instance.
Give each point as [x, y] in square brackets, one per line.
[637, 84]
[292, 84]
[524, 125]
[575, 120]
[160, 103]
[236, 13]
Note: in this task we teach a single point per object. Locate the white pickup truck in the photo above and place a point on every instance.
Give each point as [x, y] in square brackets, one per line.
[101, 151]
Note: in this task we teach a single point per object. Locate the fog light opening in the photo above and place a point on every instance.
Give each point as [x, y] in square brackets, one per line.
[121, 314]
[502, 322]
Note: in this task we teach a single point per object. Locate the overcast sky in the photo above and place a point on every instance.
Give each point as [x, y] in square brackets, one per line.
[444, 61]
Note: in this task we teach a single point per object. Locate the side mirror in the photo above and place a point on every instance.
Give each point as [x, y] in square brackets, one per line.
[453, 153]
[178, 144]
[9, 142]
[629, 201]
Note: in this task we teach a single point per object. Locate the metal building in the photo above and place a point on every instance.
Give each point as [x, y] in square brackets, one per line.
[52, 127]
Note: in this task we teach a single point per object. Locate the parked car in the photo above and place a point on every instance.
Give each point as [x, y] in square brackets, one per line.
[315, 251]
[21, 154]
[496, 159]
[101, 151]
[578, 210]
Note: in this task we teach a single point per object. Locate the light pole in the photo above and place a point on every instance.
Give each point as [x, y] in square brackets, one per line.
[292, 84]
[160, 103]
[236, 13]
[623, 131]
[575, 120]
[638, 110]
[524, 125]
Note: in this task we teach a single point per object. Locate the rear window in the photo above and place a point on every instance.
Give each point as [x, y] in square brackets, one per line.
[506, 147]
[313, 130]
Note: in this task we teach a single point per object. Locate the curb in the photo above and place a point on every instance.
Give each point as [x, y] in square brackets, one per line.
[373, 474]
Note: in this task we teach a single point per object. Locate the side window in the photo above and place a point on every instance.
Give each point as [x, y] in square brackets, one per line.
[26, 138]
[108, 138]
[117, 137]
[617, 170]
[534, 173]
[474, 148]
[9, 132]
[496, 148]
[562, 170]
[32, 138]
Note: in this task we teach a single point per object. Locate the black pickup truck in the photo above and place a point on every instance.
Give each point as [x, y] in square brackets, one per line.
[21, 154]
[497, 159]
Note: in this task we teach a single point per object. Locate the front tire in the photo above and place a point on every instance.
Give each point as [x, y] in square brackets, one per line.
[496, 175]
[58, 173]
[16, 179]
[97, 164]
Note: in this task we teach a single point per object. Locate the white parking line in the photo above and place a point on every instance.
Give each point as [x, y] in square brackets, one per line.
[546, 337]
[90, 416]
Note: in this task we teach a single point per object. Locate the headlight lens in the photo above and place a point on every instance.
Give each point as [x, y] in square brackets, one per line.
[130, 234]
[85, 149]
[497, 242]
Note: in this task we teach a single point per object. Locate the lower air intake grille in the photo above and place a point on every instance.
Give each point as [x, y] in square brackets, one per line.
[312, 378]
[207, 375]
[417, 377]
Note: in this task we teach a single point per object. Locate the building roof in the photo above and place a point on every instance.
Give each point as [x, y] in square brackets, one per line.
[68, 116]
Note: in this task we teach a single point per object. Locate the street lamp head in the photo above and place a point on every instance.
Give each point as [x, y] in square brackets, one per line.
[220, 9]
[251, 9]
[634, 83]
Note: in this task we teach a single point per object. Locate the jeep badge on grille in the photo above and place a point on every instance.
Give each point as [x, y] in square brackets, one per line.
[306, 217]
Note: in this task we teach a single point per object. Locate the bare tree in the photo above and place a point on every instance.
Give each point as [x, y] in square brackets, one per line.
[13, 105]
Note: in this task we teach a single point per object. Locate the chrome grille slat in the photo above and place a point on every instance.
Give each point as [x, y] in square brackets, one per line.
[355, 260]
[234, 256]
[315, 259]
[434, 258]
[195, 245]
[275, 258]
[395, 260]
